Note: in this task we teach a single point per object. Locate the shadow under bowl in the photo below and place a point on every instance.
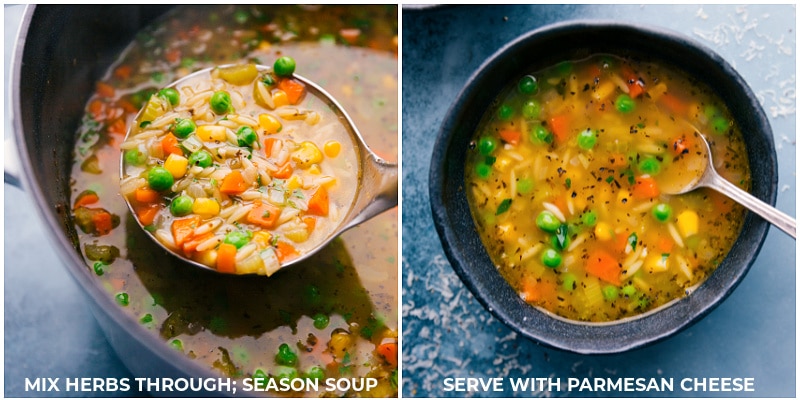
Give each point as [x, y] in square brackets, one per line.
[573, 41]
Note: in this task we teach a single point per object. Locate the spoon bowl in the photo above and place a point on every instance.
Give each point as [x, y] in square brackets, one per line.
[690, 173]
[376, 181]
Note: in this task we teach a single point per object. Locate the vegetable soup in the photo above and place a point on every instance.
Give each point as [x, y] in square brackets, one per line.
[332, 316]
[240, 169]
[566, 177]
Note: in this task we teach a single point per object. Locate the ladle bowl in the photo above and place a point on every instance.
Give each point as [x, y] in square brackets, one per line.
[377, 179]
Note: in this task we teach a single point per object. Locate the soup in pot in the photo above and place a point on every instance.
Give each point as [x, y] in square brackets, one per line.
[334, 316]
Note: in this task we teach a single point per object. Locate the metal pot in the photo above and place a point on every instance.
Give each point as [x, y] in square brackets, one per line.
[61, 52]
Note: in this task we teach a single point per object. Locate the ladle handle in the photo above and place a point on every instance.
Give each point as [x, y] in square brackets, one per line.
[380, 184]
[769, 213]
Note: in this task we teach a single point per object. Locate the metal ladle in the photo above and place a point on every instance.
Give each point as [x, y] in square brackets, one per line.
[700, 172]
[377, 180]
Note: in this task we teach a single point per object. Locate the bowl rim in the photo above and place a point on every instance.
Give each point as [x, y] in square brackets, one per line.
[469, 259]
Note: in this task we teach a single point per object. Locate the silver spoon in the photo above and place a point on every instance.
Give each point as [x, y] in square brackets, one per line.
[703, 174]
[377, 180]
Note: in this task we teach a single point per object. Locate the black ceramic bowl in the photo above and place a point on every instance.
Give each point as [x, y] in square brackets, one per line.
[569, 41]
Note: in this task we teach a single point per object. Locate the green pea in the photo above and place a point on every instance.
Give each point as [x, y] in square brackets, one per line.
[238, 238]
[284, 66]
[548, 222]
[649, 165]
[176, 344]
[569, 281]
[628, 291]
[246, 136]
[505, 112]
[315, 373]
[220, 102]
[551, 258]
[159, 179]
[285, 373]
[587, 139]
[589, 218]
[625, 103]
[184, 127]
[321, 321]
[99, 268]
[483, 170]
[540, 134]
[146, 319]
[531, 109]
[240, 16]
[662, 212]
[720, 125]
[524, 186]
[181, 205]
[286, 356]
[528, 85]
[610, 292]
[560, 240]
[134, 157]
[486, 145]
[171, 95]
[564, 68]
[201, 158]
[312, 294]
[122, 299]
[260, 378]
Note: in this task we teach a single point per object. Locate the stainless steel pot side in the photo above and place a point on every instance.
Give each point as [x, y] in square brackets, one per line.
[61, 51]
[548, 46]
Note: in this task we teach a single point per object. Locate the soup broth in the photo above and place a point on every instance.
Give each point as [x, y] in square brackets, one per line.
[565, 182]
[334, 316]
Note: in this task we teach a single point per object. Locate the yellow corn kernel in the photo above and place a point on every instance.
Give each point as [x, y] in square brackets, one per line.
[347, 90]
[205, 207]
[339, 344]
[280, 98]
[656, 263]
[330, 183]
[262, 239]
[269, 123]
[314, 169]
[297, 235]
[332, 148]
[176, 165]
[264, 46]
[603, 231]
[212, 133]
[294, 182]
[688, 223]
[503, 163]
[307, 155]
[208, 257]
[657, 91]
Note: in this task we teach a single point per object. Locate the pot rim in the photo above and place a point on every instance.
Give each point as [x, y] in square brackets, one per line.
[468, 256]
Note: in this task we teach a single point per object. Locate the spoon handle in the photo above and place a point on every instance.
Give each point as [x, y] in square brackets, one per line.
[769, 213]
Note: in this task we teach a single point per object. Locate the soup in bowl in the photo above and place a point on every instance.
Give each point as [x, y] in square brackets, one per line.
[549, 170]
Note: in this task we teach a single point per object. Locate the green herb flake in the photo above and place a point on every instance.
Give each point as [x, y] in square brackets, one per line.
[503, 207]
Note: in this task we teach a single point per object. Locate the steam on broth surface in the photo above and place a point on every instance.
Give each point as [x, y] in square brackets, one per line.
[563, 181]
[333, 316]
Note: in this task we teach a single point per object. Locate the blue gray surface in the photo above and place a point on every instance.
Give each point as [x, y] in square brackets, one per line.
[49, 330]
[446, 332]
